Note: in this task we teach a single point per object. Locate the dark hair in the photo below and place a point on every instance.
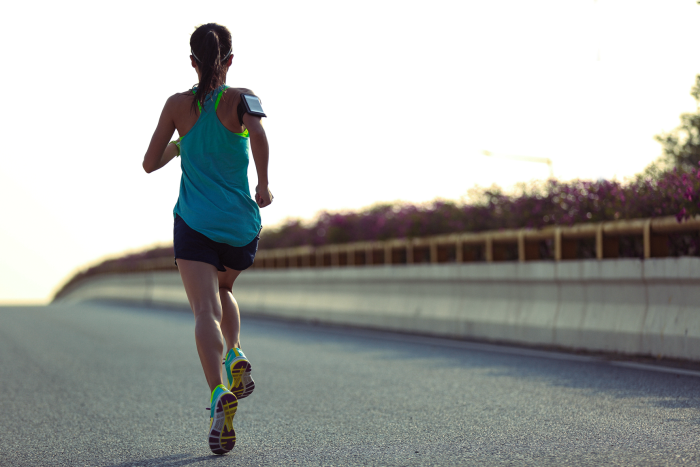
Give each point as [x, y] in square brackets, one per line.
[210, 45]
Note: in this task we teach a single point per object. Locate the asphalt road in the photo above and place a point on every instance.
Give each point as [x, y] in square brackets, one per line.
[115, 386]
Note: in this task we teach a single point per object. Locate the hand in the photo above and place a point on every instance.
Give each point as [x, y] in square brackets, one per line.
[263, 196]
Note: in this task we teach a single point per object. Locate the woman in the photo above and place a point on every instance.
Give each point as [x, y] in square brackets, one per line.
[216, 222]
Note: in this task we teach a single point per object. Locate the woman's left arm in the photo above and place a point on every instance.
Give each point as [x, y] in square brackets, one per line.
[159, 152]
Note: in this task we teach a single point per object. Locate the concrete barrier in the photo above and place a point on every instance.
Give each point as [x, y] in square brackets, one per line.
[649, 307]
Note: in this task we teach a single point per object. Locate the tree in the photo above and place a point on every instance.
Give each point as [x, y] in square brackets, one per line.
[681, 146]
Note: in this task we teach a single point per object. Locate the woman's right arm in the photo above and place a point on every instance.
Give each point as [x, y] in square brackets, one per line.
[261, 156]
[156, 155]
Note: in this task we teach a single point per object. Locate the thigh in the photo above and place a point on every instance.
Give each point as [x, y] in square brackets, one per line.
[201, 285]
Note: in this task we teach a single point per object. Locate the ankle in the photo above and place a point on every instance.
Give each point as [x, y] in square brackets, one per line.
[213, 389]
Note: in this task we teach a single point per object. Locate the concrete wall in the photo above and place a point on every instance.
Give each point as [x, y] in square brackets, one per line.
[649, 307]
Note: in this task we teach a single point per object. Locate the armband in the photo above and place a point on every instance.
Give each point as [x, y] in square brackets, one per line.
[249, 104]
[176, 142]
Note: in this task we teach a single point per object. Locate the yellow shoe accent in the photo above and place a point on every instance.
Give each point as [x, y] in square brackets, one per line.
[229, 413]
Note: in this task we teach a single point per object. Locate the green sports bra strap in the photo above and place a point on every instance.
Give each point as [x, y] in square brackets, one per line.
[218, 98]
[199, 104]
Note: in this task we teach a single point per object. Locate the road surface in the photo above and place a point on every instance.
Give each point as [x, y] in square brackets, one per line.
[108, 385]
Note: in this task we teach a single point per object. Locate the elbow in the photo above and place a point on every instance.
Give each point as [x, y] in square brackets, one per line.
[147, 167]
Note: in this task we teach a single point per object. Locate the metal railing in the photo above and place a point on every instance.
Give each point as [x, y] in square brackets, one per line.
[487, 246]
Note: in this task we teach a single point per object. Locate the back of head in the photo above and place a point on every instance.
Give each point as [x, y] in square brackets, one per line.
[210, 45]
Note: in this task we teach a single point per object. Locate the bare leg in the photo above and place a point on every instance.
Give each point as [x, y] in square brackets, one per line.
[201, 285]
[231, 317]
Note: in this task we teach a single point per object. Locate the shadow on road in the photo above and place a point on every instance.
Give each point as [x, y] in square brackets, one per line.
[170, 461]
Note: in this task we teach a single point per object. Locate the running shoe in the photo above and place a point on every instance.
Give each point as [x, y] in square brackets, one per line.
[222, 436]
[238, 373]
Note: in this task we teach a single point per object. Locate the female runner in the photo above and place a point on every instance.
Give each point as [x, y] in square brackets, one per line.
[216, 222]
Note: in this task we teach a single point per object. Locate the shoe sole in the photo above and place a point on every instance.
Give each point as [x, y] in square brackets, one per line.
[242, 385]
[222, 436]
[249, 384]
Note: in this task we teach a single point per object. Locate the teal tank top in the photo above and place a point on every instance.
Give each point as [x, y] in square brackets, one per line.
[214, 195]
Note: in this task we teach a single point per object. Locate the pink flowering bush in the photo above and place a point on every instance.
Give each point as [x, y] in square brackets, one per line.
[652, 194]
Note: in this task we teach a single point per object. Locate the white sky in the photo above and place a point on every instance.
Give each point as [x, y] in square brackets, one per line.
[368, 101]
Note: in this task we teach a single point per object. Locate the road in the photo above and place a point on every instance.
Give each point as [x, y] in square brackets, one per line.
[107, 385]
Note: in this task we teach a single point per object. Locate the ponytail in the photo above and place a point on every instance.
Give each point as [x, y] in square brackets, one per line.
[210, 45]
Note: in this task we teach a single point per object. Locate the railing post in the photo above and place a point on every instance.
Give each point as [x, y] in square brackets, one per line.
[319, 257]
[599, 242]
[433, 252]
[409, 251]
[369, 253]
[459, 250]
[335, 256]
[647, 239]
[488, 249]
[387, 253]
[557, 244]
[521, 246]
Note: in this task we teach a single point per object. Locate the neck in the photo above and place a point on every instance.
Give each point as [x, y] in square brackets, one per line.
[199, 75]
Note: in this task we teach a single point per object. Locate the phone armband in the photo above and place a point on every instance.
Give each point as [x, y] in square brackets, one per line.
[249, 104]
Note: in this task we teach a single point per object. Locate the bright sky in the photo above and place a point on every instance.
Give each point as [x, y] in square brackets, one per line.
[367, 101]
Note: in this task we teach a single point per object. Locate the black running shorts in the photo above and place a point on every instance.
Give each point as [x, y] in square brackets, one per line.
[194, 246]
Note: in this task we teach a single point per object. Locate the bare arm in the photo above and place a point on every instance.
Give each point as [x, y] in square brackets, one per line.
[261, 156]
[159, 152]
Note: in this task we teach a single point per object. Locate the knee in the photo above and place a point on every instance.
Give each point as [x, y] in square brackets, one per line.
[226, 288]
[206, 310]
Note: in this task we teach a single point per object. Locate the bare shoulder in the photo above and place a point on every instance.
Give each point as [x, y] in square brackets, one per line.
[180, 98]
[235, 94]
[243, 90]
[239, 91]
